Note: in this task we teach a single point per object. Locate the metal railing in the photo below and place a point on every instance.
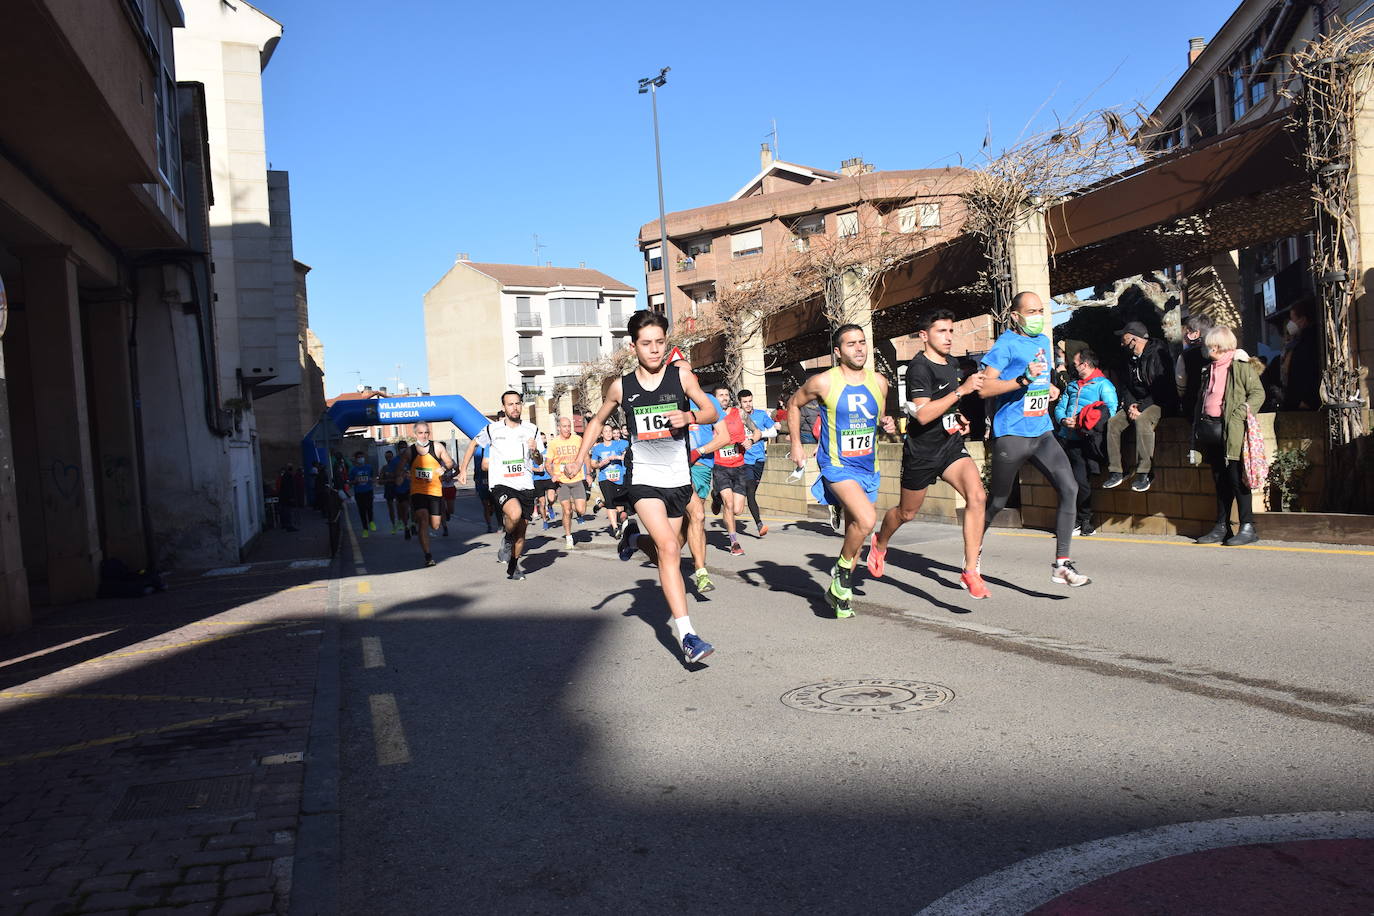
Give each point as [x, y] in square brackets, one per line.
[527, 360]
[528, 320]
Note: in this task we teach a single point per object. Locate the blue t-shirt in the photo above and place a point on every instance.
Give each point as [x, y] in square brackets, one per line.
[389, 471]
[479, 473]
[360, 476]
[615, 471]
[1024, 411]
[700, 435]
[759, 450]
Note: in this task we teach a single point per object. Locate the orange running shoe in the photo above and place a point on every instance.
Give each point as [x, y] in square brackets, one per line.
[973, 583]
[876, 557]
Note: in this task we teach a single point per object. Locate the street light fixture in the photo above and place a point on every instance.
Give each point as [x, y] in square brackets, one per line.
[650, 85]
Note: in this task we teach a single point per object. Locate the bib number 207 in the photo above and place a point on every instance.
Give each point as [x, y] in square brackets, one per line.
[1037, 402]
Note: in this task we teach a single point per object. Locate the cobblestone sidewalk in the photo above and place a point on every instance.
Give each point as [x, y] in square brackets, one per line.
[151, 753]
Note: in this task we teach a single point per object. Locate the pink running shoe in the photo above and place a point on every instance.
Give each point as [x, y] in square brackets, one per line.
[876, 558]
[973, 583]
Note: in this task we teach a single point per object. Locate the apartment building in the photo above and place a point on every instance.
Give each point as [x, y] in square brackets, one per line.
[494, 327]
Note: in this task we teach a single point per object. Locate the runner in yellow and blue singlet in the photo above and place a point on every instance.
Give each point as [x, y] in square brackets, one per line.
[849, 433]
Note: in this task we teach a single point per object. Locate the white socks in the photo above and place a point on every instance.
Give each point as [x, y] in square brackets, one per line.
[682, 626]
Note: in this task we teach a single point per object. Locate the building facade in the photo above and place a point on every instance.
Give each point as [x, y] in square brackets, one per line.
[494, 327]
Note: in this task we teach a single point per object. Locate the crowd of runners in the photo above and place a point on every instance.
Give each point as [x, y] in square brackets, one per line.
[678, 449]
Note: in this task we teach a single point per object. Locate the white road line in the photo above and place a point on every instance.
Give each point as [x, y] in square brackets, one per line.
[372, 652]
[387, 731]
[227, 571]
[1032, 882]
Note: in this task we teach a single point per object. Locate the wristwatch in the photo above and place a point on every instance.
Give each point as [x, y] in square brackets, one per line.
[1023, 381]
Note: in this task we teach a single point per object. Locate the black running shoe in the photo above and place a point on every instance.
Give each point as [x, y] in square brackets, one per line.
[429, 560]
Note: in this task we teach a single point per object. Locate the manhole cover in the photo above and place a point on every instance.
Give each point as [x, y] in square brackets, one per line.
[867, 696]
[192, 796]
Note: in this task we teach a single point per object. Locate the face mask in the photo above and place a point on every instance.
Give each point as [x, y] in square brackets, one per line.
[1033, 324]
[1292, 328]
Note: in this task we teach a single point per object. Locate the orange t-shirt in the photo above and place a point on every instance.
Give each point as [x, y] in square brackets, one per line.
[564, 450]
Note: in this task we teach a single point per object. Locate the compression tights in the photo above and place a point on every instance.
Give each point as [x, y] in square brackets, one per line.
[1009, 453]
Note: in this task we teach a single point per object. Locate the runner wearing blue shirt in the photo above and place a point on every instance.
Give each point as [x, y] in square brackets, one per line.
[1016, 373]
[360, 478]
[760, 427]
[608, 458]
[480, 483]
[703, 467]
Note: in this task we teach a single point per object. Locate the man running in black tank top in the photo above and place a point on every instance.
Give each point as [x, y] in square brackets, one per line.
[659, 479]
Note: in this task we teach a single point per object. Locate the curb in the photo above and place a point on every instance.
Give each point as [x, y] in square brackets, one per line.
[315, 873]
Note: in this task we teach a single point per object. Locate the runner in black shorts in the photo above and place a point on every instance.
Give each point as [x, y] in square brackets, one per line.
[660, 401]
[934, 447]
[511, 454]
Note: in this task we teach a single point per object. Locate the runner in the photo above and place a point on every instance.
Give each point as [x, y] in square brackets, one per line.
[851, 399]
[512, 454]
[403, 498]
[934, 446]
[480, 484]
[608, 458]
[424, 463]
[1017, 374]
[360, 479]
[730, 482]
[658, 488]
[759, 427]
[543, 486]
[389, 487]
[572, 488]
[449, 493]
[702, 461]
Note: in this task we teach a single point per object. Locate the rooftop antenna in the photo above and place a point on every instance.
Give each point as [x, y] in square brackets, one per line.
[397, 379]
[358, 378]
[777, 147]
[537, 245]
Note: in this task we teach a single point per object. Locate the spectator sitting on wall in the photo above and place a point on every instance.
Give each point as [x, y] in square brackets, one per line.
[1082, 414]
[1301, 364]
[1147, 396]
[1188, 366]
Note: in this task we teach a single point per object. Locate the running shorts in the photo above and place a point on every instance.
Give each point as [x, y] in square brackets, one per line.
[920, 471]
[701, 479]
[525, 498]
[736, 479]
[756, 470]
[389, 491]
[674, 499]
[611, 493]
[423, 502]
[823, 494]
[571, 491]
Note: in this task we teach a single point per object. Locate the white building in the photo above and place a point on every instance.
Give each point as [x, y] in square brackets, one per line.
[494, 327]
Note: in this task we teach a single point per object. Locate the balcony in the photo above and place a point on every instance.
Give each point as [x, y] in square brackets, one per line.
[618, 320]
[530, 363]
[686, 264]
[529, 323]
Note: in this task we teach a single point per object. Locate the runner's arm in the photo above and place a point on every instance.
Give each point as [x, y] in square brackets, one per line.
[592, 431]
[467, 459]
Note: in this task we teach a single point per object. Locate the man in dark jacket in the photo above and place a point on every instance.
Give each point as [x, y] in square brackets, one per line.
[1147, 395]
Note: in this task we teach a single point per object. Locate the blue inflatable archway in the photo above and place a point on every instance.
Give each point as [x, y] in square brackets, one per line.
[377, 411]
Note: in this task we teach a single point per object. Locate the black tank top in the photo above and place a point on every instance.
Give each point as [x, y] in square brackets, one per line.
[658, 452]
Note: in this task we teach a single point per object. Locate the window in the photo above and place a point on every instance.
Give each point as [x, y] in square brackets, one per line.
[655, 256]
[703, 294]
[157, 30]
[565, 312]
[847, 224]
[656, 302]
[746, 244]
[906, 219]
[930, 216]
[698, 246]
[569, 351]
[522, 304]
[809, 225]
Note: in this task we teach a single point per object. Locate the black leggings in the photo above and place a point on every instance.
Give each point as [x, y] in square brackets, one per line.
[1009, 453]
[751, 495]
[1229, 479]
[364, 501]
[1079, 462]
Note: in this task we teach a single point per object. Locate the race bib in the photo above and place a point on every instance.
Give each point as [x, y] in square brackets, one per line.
[728, 451]
[513, 468]
[950, 422]
[613, 473]
[423, 474]
[1036, 403]
[857, 443]
[362, 480]
[651, 421]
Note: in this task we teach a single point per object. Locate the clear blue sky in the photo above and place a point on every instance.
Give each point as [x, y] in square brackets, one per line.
[417, 129]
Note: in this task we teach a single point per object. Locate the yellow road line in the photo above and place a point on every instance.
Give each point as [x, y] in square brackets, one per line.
[387, 731]
[372, 652]
[364, 587]
[145, 698]
[1098, 537]
[126, 736]
[366, 610]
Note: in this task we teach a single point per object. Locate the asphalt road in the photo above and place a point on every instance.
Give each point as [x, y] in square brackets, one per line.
[537, 746]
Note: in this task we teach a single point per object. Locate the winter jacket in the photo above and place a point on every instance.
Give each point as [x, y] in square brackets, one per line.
[1149, 379]
[1243, 389]
[1079, 395]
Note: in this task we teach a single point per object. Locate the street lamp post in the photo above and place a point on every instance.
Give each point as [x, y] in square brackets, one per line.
[650, 85]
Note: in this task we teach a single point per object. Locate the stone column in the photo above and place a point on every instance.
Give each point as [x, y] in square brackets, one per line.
[116, 449]
[1030, 260]
[14, 582]
[66, 470]
[753, 368]
[858, 305]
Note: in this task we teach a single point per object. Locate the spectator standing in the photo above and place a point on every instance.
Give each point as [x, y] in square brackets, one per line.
[286, 497]
[1147, 396]
[1301, 364]
[1188, 366]
[1089, 401]
[1230, 384]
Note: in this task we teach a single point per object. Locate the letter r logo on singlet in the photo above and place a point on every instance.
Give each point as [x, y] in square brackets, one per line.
[858, 404]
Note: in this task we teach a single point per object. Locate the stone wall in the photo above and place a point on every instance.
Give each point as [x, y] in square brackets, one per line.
[1182, 500]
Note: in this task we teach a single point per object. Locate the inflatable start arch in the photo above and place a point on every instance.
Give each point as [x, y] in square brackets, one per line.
[376, 411]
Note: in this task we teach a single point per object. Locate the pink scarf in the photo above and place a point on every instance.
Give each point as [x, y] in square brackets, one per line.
[1216, 384]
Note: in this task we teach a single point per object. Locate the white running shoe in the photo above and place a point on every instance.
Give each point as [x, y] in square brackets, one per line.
[1064, 574]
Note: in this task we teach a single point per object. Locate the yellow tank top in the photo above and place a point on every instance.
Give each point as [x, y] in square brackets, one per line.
[426, 473]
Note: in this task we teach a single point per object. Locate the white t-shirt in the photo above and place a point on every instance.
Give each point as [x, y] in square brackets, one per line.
[508, 451]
